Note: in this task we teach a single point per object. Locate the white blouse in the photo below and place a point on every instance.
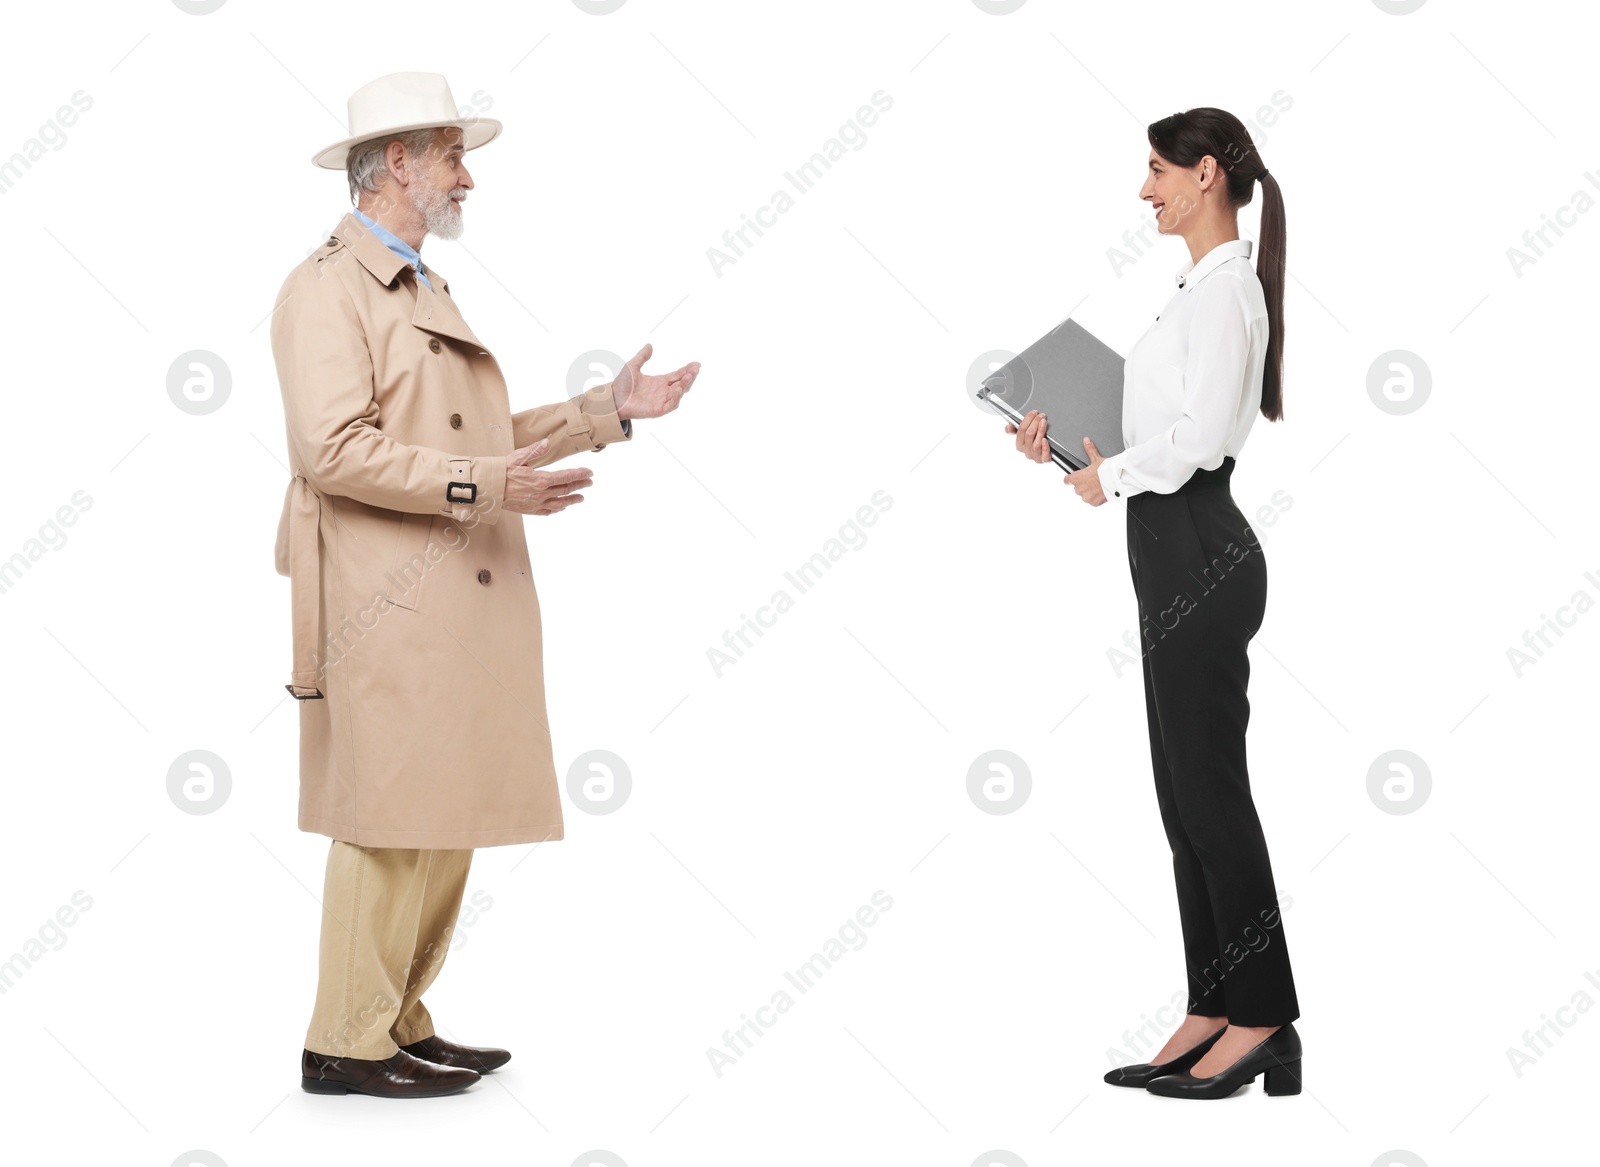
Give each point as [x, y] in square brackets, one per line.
[1191, 386]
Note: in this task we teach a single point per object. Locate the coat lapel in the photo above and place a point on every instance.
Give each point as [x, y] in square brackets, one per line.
[437, 313]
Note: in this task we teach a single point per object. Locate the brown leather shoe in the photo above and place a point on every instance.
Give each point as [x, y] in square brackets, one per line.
[400, 1076]
[440, 1052]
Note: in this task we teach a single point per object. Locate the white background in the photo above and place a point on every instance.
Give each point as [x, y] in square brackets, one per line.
[770, 803]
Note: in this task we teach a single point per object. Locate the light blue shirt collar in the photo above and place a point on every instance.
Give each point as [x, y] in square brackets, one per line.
[395, 244]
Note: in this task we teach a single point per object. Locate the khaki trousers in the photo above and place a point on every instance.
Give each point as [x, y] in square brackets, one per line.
[387, 917]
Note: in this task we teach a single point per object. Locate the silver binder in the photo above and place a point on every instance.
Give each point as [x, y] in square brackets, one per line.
[1075, 380]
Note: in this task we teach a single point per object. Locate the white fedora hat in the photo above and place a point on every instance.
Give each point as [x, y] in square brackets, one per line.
[401, 102]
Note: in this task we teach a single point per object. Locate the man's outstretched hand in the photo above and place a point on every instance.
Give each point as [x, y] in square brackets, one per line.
[641, 394]
[637, 394]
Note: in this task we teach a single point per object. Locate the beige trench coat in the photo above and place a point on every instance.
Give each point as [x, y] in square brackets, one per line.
[414, 616]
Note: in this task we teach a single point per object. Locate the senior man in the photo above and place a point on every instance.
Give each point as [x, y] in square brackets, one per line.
[418, 661]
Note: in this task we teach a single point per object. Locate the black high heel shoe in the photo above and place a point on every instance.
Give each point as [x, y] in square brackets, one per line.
[1140, 1073]
[1278, 1057]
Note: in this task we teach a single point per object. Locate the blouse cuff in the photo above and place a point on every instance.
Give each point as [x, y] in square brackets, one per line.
[1112, 480]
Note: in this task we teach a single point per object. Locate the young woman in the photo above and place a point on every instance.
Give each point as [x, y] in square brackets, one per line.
[1192, 386]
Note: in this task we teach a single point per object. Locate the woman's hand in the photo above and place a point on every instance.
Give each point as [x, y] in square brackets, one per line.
[1030, 439]
[1087, 481]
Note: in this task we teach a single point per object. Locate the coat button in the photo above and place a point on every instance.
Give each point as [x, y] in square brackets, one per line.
[455, 421]
[434, 344]
[483, 576]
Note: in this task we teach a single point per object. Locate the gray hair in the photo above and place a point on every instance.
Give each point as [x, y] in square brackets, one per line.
[365, 167]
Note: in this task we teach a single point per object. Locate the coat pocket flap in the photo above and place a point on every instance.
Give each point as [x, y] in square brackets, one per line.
[409, 564]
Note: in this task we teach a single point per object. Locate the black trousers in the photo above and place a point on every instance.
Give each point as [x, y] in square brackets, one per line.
[1201, 582]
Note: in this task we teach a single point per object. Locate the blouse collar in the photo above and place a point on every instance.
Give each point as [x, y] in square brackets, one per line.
[1192, 273]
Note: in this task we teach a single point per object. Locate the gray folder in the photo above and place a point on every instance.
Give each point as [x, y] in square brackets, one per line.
[1075, 380]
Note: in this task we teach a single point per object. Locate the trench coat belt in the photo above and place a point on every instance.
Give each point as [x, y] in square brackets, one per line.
[305, 585]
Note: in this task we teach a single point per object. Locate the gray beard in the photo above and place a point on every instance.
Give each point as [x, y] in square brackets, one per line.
[439, 217]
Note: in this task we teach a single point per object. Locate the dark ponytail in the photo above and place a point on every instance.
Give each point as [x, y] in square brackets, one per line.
[1185, 138]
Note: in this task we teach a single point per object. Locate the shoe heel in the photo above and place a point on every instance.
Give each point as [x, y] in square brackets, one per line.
[318, 1086]
[1284, 1078]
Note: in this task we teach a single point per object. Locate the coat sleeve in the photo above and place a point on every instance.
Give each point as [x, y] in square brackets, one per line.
[335, 434]
[586, 422]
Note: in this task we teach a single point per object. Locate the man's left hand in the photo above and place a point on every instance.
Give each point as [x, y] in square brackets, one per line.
[641, 394]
